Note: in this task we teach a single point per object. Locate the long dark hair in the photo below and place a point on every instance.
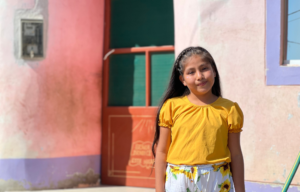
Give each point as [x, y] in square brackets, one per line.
[176, 88]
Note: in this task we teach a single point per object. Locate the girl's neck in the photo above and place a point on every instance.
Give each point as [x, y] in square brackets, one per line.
[205, 99]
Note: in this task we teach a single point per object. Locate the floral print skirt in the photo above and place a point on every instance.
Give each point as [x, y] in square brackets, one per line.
[199, 178]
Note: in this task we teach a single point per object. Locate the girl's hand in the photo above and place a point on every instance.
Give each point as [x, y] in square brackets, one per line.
[161, 157]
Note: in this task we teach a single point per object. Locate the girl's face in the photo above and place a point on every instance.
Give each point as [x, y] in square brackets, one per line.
[198, 75]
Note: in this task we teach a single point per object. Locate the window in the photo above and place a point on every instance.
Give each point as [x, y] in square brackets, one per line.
[161, 65]
[281, 47]
[127, 80]
[292, 19]
[142, 46]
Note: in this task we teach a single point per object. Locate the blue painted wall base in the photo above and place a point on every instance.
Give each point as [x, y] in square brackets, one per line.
[50, 173]
[266, 187]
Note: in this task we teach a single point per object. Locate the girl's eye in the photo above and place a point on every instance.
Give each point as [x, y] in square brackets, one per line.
[191, 72]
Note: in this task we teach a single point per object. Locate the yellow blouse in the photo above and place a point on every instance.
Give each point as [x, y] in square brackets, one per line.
[199, 134]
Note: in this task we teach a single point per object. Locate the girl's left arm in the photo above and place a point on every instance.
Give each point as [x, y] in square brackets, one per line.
[237, 161]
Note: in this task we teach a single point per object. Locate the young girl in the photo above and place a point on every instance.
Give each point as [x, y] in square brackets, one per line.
[198, 131]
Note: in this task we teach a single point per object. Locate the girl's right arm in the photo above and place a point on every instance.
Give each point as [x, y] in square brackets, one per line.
[161, 157]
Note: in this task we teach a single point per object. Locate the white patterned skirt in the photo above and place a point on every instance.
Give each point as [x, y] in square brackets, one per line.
[199, 178]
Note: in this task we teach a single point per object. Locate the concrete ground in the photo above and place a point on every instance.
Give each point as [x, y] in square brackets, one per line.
[102, 188]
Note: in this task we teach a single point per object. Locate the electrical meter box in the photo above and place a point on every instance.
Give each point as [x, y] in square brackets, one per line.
[32, 39]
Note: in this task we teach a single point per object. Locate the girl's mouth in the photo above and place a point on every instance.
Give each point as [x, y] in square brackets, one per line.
[202, 84]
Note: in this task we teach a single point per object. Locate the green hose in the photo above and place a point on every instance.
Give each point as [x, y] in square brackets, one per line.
[291, 175]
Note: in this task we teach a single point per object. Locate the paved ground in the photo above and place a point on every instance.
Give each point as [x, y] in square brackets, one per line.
[102, 189]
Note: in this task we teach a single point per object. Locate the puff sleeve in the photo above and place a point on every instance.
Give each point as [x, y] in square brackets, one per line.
[165, 115]
[235, 119]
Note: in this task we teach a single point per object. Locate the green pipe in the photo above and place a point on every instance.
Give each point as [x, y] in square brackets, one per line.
[291, 175]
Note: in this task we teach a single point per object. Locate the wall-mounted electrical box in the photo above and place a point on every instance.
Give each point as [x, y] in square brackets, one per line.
[32, 39]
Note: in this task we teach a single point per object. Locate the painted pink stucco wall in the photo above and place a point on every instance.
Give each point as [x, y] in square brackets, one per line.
[234, 33]
[52, 107]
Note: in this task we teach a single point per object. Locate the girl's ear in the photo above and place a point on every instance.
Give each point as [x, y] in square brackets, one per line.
[182, 80]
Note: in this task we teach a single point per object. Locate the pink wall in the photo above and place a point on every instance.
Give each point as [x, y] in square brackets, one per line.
[52, 107]
[234, 32]
[50, 117]
[70, 83]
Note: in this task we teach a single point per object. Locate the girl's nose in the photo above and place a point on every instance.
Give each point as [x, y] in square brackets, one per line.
[199, 75]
